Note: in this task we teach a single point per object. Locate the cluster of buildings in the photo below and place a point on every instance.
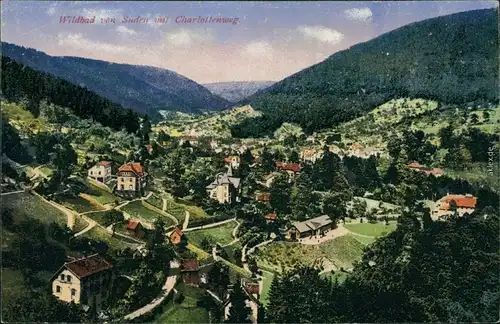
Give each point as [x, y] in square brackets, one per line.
[130, 177]
[422, 169]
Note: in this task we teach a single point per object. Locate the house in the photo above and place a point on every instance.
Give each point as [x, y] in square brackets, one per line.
[101, 171]
[149, 148]
[268, 180]
[189, 272]
[176, 236]
[131, 179]
[435, 172]
[310, 139]
[135, 228]
[252, 289]
[313, 227]
[290, 168]
[233, 161]
[225, 188]
[310, 155]
[87, 281]
[463, 204]
[270, 218]
[263, 197]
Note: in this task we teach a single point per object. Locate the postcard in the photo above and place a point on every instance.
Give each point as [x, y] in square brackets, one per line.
[250, 161]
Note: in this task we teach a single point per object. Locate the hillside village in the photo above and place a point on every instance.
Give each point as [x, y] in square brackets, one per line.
[182, 221]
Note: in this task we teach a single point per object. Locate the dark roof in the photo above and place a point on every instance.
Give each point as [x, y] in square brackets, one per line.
[252, 288]
[133, 224]
[88, 266]
[312, 224]
[192, 264]
[104, 163]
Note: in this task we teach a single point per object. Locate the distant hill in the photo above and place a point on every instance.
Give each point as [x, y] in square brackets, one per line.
[143, 88]
[452, 59]
[237, 91]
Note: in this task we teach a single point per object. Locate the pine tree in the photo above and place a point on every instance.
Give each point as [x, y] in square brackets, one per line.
[239, 312]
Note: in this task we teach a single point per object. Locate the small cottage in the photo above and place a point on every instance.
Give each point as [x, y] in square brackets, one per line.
[135, 228]
[176, 236]
[101, 172]
[312, 227]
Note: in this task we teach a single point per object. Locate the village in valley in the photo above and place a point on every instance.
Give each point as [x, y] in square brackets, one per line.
[109, 215]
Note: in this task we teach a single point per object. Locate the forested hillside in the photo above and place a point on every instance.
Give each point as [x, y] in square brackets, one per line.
[145, 89]
[26, 85]
[451, 59]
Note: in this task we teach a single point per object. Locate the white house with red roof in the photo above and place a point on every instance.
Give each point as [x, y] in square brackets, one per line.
[101, 171]
[462, 204]
[131, 178]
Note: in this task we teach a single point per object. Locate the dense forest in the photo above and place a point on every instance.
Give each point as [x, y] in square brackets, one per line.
[26, 85]
[451, 59]
[145, 89]
[423, 272]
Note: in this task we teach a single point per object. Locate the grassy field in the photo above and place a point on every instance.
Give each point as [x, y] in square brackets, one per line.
[80, 224]
[177, 209]
[363, 239]
[12, 283]
[79, 204]
[371, 229]
[100, 234]
[155, 201]
[102, 196]
[30, 205]
[187, 311]
[279, 256]
[221, 234]
[266, 286]
[137, 210]
[97, 216]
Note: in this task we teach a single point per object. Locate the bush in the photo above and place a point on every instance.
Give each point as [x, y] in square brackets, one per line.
[178, 298]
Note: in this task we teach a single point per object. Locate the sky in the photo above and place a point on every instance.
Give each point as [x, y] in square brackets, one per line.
[267, 42]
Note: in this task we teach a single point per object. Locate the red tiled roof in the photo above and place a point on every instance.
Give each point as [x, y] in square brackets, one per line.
[434, 171]
[132, 167]
[133, 225]
[176, 231]
[461, 201]
[190, 264]
[271, 216]
[252, 288]
[87, 266]
[295, 167]
[104, 163]
[415, 165]
[263, 197]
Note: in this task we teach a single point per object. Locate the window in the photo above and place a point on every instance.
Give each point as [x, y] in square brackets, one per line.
[73, 293]
[68, 278]
[62, 277]
[130, 179]
[91, 172]
[58, 289]
[122, 180]
[99, 172]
